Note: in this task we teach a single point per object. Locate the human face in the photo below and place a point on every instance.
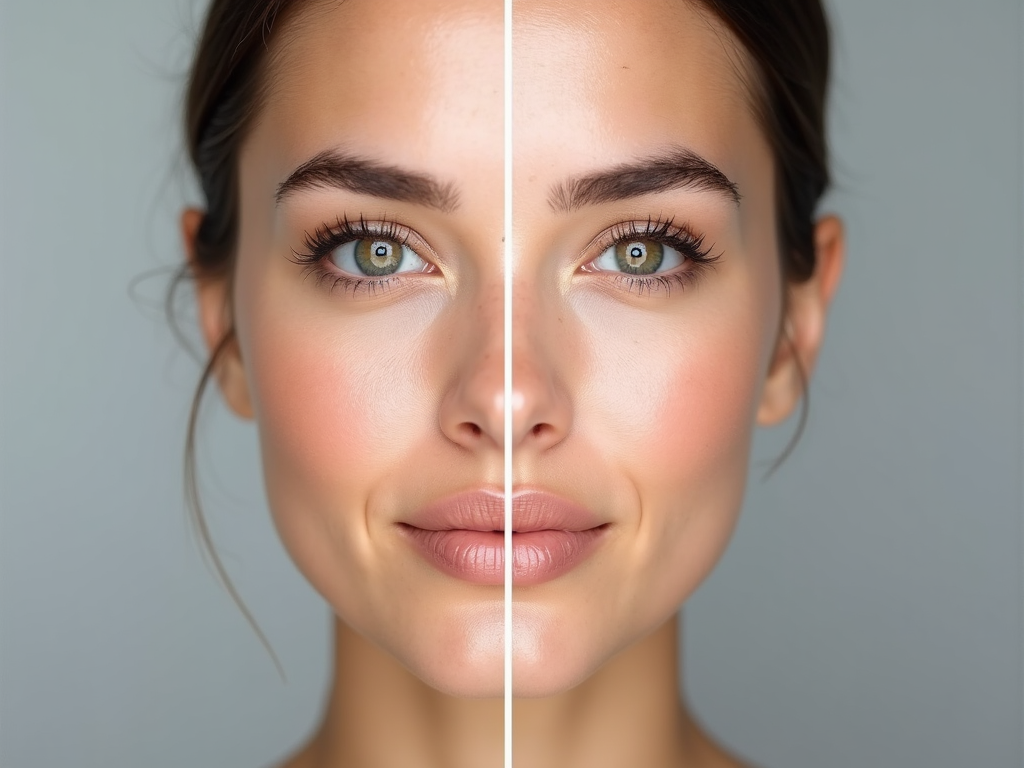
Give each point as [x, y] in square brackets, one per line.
[366, 395]
[638, 396]
[634, 396]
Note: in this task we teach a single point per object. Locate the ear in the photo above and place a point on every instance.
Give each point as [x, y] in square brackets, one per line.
[213, 303]
[803, 328]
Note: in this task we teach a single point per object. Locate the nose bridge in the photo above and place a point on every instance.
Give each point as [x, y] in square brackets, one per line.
[472, 410]
[541, 412]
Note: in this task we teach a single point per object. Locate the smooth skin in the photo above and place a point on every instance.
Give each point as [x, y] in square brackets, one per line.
[637, 403]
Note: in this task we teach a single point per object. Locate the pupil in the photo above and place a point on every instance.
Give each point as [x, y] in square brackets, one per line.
[382, 250]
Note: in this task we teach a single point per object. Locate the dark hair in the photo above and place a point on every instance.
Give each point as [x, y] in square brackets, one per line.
[224, 94]
[787, 42]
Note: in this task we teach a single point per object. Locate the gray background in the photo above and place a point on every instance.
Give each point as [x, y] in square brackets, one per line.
[869, 610]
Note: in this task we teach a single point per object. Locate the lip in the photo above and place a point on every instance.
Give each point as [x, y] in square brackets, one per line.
[463, 535]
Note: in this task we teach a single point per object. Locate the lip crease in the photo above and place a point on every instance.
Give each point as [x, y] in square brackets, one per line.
[463, 535]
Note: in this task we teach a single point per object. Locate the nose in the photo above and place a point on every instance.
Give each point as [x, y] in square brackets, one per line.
[541, 406]
[473, 410]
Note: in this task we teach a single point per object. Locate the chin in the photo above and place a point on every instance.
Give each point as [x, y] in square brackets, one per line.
[461, 656]
[465, 684]
[548, 657]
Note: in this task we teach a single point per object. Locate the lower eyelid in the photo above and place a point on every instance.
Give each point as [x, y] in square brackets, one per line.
[656, 283]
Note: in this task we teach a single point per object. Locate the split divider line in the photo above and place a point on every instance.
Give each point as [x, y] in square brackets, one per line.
[507, 398]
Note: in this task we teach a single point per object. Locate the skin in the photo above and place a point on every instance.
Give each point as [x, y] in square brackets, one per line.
[638, 404]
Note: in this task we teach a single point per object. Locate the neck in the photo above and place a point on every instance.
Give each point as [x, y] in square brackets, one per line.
[379, 713]
[628, 713]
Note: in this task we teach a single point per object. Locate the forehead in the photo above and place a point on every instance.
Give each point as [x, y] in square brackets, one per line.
[628, 76]
[596, 82]
[388, 77]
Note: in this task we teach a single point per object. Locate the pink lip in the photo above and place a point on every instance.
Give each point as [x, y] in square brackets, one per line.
[463, 535]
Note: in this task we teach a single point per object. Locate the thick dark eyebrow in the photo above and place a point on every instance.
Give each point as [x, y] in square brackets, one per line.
[675, 169]
[331, 168]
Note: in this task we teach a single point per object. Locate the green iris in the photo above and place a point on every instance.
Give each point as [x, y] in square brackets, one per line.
[378, 257]
[639, 257]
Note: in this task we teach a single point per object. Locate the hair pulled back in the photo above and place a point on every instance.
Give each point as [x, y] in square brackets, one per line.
[225, 91]
[788, 43]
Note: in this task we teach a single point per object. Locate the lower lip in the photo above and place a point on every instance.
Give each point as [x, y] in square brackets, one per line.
[479, 556]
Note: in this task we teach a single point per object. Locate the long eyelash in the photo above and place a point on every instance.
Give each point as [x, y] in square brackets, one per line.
[322, 242]
[666, 232]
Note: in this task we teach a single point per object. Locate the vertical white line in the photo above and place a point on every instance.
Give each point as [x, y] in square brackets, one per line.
[507, 399]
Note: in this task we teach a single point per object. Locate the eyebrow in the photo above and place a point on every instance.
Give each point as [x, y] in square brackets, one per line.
[363, 176]
[674, 169]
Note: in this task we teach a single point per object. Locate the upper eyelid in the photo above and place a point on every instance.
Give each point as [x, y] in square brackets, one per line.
[654, 228]
[623, 230]
[316, 241]
[344, 231]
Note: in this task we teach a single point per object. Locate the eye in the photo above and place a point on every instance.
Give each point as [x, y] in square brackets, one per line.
[376, 257]
[639, 256]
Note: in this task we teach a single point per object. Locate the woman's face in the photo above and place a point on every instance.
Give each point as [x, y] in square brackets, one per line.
[647, 303]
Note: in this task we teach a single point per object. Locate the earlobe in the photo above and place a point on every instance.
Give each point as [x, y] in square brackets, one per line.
[797, 347]
[215, 319]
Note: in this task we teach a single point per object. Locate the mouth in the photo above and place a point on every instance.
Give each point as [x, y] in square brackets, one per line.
[464, 536]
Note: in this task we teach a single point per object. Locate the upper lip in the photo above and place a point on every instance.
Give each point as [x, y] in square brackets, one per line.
[484, 510]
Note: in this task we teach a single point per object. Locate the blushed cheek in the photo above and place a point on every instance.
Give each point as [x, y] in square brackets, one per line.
[695, 475]
[672, 404]
[340, 403]
[340, 400]
[670, 400]
[693, 478]
[706, 411]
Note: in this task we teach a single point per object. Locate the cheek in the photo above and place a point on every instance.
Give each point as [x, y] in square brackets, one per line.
[340, 403]
[708, 381]
[692, 477]
[675, 395]
[332, 398]
[673, 403]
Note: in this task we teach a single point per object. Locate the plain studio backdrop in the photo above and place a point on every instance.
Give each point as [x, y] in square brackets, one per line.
[867, 613]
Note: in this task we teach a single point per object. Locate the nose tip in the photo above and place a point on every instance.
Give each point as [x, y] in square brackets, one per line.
[475, 419]
[472, 415]
[538, 419]
[473, 409]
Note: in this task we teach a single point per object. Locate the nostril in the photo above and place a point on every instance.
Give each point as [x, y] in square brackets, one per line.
[474, 429]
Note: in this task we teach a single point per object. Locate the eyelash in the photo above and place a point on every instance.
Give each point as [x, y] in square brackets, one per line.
[326, 239]
[665, 232]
